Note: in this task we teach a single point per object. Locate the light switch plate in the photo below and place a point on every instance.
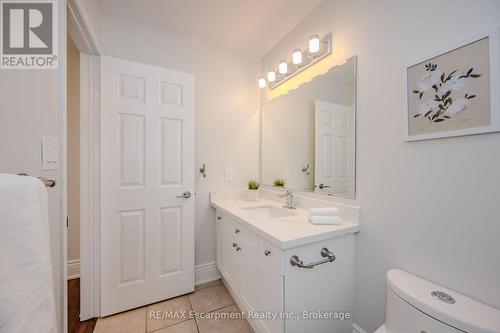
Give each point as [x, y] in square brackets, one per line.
[50, 153]
[228, 175]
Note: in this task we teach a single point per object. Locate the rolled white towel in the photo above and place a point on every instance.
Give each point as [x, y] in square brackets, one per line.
[327, 211]
[325, 220]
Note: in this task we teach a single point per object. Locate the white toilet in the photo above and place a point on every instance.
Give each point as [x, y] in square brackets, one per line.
[418, 306]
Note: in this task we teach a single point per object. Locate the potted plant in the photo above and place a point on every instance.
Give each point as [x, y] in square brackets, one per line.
[253, 190]
[279, 182]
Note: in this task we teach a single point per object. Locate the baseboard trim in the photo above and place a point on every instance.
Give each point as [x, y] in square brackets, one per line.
[357, 329]
[205, 273]
[73, 269]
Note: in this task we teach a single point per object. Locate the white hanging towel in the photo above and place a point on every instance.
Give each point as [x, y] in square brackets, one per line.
[27, 301]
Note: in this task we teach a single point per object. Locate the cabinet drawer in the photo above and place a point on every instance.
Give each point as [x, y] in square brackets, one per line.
[271, 256]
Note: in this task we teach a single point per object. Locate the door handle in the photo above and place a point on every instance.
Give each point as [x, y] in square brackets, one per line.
[185, 195]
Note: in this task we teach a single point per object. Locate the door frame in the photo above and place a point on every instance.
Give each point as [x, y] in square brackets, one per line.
[86, 41]
[90, 293]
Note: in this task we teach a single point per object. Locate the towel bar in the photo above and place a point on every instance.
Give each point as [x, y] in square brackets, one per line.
[46, 181]
[325, 253]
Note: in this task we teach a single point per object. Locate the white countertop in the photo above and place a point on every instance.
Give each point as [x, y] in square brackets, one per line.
[284, 232]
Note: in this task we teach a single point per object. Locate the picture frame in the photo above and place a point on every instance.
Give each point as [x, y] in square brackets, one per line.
[437, 104]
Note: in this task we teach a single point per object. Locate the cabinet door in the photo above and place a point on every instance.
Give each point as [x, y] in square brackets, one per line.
[327, 287]
[262, 291]
[218, 231]
[229, 257]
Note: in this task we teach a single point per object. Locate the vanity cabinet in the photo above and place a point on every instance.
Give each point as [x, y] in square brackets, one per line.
[261, 279]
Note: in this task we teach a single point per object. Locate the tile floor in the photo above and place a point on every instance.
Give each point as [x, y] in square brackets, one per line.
[210, 298]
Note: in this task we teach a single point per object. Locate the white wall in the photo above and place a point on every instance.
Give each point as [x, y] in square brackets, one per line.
[428, 207]
[73, 150]
[91, 11]
[227, 109]
[30, 107]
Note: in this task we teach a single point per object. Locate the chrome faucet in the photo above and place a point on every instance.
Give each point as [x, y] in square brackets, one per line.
[289, 199]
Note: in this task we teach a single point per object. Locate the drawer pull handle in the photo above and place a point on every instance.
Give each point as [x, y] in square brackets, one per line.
[238, 248]
[267, 252]
[325, 253]
[237, 231]
[235, 245]
[219, 218]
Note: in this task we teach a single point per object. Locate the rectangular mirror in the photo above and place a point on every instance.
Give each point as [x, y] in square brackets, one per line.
[309, 135]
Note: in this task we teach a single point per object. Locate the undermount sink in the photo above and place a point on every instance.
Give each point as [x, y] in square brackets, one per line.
[269, 212]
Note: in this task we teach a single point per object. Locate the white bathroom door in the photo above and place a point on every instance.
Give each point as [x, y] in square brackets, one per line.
[147, 184]
[333, 148]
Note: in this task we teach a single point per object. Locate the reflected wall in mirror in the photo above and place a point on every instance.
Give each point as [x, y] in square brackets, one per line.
[309, 134]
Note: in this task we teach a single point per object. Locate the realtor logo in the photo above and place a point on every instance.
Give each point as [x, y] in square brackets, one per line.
[29, 35]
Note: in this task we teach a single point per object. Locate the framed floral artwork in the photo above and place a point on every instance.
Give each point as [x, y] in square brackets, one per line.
[454, 91]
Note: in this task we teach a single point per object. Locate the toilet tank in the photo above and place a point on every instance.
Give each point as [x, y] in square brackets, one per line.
[419, 306]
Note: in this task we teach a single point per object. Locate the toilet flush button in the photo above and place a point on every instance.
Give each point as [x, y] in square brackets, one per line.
[443, 297]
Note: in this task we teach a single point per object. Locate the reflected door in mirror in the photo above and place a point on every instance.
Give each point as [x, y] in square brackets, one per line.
[334, 153]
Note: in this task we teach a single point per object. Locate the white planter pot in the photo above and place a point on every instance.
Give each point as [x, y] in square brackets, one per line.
[253, 195]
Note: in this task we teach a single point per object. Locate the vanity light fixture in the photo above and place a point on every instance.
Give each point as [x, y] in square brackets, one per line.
[297, 57]
[283, 67]
[318, 48]
[271, 75]
[262, 83]
[313, 44]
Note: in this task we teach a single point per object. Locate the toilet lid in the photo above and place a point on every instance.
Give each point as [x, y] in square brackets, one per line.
[443, 304]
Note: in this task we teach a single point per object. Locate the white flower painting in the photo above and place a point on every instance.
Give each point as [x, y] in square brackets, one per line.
[450, 93]
[443, 88]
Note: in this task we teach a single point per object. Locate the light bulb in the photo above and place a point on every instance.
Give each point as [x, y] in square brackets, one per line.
[297, 57]
[314, 44]
[262, 83]
[282, 67]
[271, 75]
